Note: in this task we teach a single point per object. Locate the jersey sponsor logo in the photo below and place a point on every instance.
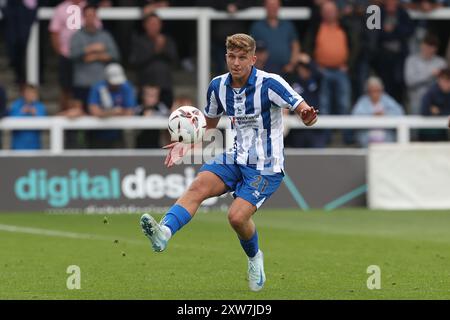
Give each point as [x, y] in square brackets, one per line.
[246, 121]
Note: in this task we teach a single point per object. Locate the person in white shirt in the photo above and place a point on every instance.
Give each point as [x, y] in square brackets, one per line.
[376, 103]
[421, 70]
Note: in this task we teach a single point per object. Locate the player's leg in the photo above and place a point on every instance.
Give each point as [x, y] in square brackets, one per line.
[240, 218]
[251, 193]
[205, 185]
[215, 178]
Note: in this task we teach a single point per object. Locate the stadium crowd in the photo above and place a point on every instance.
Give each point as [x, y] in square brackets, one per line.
[333, 60]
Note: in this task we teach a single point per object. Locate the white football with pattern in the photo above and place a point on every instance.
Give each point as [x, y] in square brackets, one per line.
[187, 124]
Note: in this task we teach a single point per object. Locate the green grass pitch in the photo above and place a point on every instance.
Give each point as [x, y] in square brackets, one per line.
[308, 255]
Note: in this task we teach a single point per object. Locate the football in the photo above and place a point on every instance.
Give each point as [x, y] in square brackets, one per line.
[187, 124]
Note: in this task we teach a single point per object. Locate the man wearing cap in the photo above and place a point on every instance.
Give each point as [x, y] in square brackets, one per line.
[306, 80]
[114, 96]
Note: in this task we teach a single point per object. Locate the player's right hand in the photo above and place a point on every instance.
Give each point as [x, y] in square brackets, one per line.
[177, 151]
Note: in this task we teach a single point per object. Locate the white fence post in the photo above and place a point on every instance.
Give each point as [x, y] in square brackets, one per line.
[56, 137]
[403, 132]
[33, 54]
[203, 55]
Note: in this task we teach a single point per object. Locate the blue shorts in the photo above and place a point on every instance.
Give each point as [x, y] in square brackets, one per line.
[246, 182]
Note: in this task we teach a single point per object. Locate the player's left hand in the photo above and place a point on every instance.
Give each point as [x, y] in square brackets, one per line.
[309, 115]
[177, 151]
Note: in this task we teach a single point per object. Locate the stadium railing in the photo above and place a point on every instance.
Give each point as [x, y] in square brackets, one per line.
[57, 125]
[203, 16]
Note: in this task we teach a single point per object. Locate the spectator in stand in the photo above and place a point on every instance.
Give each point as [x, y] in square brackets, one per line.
[112, 97]
[3, 100]
[60, 35]
[153, 55]
[436, 102]
[423, 25]
[329, 43]
[181, 100]
[18, 17]
[102, 3]
[74, 110]
[424, 5]
[305, 81]
[280, 38]
[111, 26]
[220, 29]
[262, 56]
[376, 103]
[149, 6]
[27, 105]
[421, 71]
[392, 46]
[354, 15]
[91, 48]
[447, 52]
[121, 29]
[151, 106]
[74, 139]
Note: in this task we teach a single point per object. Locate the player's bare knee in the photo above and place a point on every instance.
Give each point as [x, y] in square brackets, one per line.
[236, 218]
[198, 190]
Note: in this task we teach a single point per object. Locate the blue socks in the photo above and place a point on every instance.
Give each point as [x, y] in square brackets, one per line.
[250, 246]
[176, 218]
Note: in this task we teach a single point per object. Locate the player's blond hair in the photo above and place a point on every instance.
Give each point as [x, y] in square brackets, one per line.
[242, 42]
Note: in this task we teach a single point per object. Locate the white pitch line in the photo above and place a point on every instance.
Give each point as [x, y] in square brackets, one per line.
[64, 234]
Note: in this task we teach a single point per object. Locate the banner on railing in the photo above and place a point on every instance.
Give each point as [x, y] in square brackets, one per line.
[415, 176]
[137, 183]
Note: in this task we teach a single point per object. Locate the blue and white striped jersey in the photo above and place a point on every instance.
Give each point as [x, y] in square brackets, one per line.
[256, 116]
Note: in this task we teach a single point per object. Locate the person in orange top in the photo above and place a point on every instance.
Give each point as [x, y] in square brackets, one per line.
[329, 43]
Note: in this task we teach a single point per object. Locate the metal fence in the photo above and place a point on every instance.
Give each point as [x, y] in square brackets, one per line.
[57, 125]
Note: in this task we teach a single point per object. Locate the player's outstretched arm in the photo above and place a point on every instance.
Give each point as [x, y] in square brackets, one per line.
[307, 113]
